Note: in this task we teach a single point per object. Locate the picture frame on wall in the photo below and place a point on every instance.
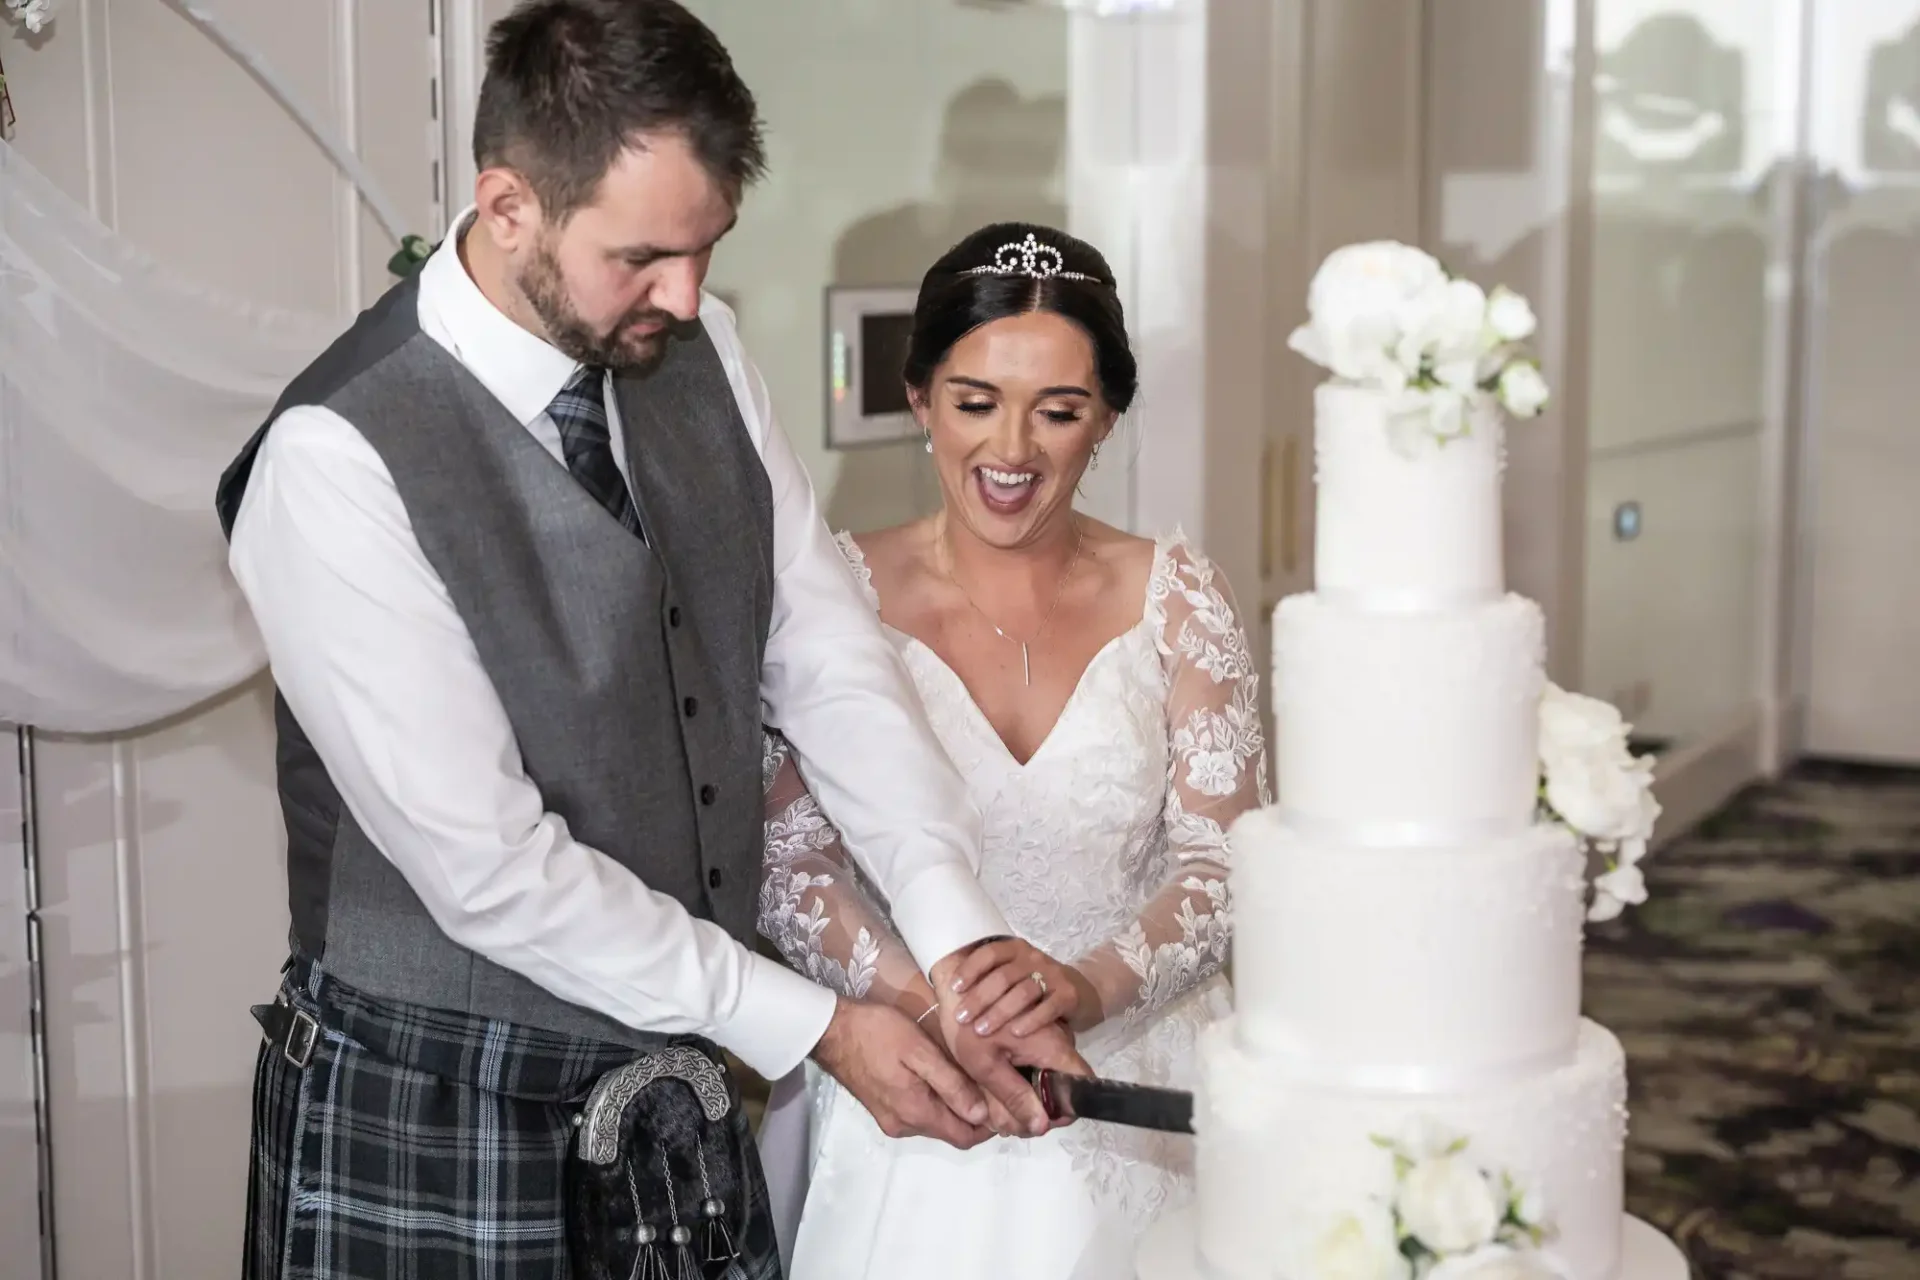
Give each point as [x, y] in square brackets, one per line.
[867, 332]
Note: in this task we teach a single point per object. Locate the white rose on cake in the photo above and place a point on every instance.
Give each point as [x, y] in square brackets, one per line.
[1361, 1247]
[1616, 890]
[1444, 327]
[1509, 315]
[1605, 795]
[1355, 308]
[1573, 722]
[1447, 1204]
[1592, 782]
[1521, 390]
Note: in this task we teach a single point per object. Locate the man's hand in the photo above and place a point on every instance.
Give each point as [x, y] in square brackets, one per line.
[900, 1076]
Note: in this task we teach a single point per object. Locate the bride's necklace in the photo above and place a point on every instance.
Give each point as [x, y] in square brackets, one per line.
[1026, 658]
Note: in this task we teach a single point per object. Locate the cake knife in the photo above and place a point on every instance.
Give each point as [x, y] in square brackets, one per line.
[1139, 1106]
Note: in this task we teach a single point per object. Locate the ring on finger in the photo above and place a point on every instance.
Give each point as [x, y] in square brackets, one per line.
[1040, 978]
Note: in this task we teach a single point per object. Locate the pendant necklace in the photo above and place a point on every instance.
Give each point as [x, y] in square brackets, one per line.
[1026, 658]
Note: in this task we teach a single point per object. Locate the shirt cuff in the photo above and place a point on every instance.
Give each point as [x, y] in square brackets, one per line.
[942, 910]
[778, 1020]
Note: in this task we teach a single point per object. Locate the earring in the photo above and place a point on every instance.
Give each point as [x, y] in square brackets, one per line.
[929, 434]
[1095, 460]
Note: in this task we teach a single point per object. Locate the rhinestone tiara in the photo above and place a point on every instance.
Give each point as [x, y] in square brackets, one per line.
[1033, 258]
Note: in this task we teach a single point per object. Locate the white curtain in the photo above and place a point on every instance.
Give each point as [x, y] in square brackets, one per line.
[124, 392]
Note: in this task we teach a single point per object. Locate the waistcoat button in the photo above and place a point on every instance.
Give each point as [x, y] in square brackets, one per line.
[707, 794]
[713, 878]
[691, 706]
[673, 616]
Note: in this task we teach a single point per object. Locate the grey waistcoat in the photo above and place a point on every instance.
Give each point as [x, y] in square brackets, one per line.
[630, 673]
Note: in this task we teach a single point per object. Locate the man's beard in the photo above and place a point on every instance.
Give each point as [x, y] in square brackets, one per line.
[546, 292]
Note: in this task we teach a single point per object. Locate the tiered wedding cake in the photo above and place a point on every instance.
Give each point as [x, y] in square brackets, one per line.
[1407, 1090]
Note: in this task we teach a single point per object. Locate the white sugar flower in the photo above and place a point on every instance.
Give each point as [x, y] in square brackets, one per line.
[1522, 390]
[1509, 315]
[1361, 1247]
[1445, 326]
[1574, 723]
[1447, 414]
[1615, 890]
[1448, 1204]
[1460, 332]
[1596, 786]
[32, 14]
[1354, 305]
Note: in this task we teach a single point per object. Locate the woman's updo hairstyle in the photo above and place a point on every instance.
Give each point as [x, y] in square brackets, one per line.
[1011, 269]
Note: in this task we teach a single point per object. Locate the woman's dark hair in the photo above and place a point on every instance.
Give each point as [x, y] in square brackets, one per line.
[1010, 269]
[570, 84]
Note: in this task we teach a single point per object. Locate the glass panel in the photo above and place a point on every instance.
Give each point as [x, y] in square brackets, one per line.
[1695, 118]
[895, 128]
[1862, 521]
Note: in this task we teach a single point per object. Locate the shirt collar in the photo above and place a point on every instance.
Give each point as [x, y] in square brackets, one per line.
[524, 372]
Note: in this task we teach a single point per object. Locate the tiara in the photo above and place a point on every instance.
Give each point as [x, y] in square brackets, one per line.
[1030, 257]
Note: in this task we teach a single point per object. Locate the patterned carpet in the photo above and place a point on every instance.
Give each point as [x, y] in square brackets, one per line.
[1769, 998]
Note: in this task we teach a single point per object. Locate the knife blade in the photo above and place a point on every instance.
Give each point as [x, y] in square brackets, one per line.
[1138, 1106]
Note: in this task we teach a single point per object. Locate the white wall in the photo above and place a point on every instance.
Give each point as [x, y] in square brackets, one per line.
[162, 850]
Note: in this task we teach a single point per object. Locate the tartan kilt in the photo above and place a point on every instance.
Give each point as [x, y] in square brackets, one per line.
[424, 1144]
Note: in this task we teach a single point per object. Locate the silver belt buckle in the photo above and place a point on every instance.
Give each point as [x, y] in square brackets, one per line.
[303, 1033]
[607, 1104]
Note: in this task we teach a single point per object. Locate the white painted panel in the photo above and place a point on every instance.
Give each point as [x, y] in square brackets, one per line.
[19, 1154]
[1670, 612]
[163, 851]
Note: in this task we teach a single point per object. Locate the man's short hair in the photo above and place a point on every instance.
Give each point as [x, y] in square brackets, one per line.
[571, 84]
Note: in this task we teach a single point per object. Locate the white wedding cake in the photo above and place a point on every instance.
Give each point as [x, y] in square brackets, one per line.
[1407, 1089]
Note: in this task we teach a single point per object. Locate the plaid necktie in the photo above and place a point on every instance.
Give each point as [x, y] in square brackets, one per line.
[580, 413]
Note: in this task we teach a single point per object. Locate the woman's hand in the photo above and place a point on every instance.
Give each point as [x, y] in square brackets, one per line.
[1011, 984]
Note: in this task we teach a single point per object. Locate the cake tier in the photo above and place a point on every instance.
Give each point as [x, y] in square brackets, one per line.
[1422, 968]
[1408, 727]
[1279, 1164]
[1401, 520]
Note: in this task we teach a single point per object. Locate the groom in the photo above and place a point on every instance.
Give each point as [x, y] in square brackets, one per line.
[532, 560]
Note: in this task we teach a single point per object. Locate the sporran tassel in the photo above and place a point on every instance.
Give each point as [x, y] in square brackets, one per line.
[647, 1262]
[717, 1247]
[685, 1268]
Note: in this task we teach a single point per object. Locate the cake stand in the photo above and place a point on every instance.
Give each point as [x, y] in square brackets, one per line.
[1170, 1251]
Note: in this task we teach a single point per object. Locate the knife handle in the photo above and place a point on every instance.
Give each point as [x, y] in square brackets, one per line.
[1041, 1078]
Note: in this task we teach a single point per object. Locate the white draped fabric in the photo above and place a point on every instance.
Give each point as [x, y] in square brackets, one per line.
[124, 391]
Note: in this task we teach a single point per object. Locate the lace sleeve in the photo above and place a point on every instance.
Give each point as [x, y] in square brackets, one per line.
[1216, 770]
[812, 906]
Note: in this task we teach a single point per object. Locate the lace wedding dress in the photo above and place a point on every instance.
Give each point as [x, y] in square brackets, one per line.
[1106, 849]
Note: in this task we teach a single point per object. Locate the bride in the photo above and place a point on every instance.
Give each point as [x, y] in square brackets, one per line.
[1096, 692]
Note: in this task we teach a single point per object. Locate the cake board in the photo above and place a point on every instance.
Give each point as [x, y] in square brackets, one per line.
[1170, 1251]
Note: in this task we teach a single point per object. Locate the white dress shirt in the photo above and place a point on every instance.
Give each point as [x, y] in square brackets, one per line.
[377, 665]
